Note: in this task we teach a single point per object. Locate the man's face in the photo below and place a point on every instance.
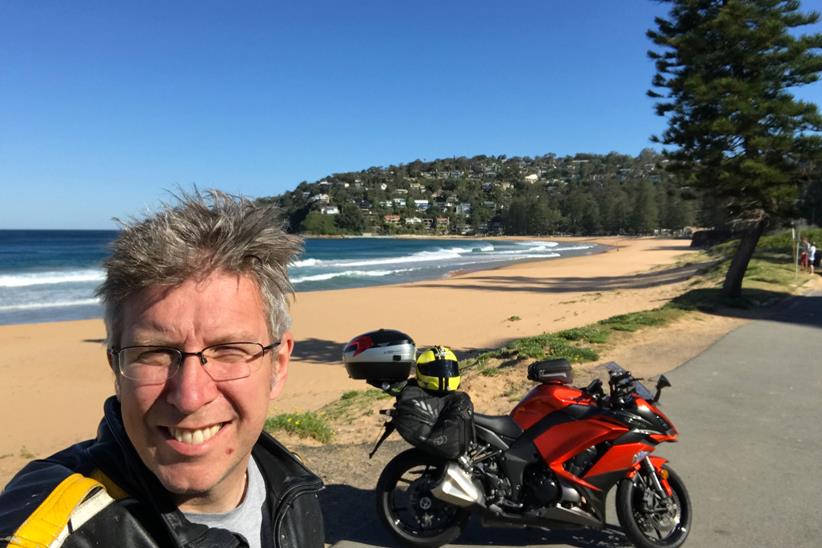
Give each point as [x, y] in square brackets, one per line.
[216, 423]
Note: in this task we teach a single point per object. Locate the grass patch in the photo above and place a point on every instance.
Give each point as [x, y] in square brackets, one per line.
[646, 318]
[26, 454]
[513, 319]
[491, 371]
[480, 361]
[589, 333]
[305, 425]
[549, 346]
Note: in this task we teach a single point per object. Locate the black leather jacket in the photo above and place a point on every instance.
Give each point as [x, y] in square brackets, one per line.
[99, 493]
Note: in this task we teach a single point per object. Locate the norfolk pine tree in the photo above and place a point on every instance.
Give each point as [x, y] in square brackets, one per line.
[726, 68]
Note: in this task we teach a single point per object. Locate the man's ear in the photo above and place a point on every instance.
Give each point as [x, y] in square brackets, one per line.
[279, 370]
[113, 367]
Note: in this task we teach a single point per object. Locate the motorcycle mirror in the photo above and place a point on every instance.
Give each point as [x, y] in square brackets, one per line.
[663, 382]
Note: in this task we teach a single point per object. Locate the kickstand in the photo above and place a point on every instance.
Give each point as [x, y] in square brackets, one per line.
[389, 428]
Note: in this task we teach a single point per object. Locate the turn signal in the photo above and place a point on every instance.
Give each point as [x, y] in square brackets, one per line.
[663, 474]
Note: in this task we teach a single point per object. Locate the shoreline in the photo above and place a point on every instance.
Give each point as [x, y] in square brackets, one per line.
[86, 311]
[56, 376]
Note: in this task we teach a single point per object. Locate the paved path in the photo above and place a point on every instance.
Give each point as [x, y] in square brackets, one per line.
[750, 413]
[749, 410]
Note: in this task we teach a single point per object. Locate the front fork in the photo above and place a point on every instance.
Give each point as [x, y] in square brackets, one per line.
[659, 476]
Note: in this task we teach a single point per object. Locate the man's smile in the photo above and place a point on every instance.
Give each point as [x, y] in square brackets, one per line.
[194, 436]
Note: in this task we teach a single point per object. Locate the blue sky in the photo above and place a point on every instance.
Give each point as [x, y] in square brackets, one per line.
[105, 105]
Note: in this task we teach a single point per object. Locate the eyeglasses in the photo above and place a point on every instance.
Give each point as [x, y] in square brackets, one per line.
[223, 362]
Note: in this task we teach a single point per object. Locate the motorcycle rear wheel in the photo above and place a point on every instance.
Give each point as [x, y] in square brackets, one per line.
[649, 520]
[406, 506]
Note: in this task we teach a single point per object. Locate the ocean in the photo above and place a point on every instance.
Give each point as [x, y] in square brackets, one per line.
[50, 275]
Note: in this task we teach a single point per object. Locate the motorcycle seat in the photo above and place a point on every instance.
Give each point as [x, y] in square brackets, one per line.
[503, 425]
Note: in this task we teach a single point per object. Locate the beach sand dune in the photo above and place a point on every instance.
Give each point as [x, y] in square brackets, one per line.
[55, 376]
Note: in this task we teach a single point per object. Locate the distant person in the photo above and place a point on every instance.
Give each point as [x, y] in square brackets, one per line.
[803, 255]
[197, 321]
[811, 256]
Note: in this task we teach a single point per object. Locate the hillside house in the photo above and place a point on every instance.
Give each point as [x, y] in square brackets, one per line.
[330, 210]
[441, 224]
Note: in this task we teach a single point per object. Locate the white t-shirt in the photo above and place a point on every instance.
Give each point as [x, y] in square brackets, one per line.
[247, 518]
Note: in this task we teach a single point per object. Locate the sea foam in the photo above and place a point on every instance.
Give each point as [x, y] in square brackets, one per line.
[51, 278]
[54, 304]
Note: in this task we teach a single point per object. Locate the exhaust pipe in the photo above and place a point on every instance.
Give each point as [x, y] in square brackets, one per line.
[457, 488]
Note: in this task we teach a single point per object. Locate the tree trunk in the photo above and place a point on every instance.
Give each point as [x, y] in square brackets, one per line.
[732, 287]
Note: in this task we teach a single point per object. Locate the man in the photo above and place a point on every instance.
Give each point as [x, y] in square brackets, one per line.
[197, 328]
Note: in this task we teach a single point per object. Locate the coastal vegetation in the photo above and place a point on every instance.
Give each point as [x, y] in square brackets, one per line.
[581, 194]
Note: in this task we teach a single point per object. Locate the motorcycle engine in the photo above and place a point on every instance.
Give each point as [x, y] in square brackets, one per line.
[581, 462]
[496, 486]
[541, 488]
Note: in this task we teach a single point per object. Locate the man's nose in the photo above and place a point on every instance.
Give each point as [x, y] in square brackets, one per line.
[192, 387]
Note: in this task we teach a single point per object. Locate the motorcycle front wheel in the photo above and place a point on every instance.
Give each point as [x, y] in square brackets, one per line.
[406, 506]
[649, 519]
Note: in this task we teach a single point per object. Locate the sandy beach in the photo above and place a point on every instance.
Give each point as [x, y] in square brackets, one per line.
[55, 375]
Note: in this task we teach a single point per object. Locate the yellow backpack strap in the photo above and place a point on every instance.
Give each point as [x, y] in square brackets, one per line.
[73, 502]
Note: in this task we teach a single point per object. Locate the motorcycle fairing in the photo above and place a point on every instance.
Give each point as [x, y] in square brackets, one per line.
[561, 442]
[619, 458]
[655, 418]
[545, 399]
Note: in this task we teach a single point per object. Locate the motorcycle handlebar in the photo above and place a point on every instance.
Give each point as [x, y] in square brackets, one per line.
[622, 387]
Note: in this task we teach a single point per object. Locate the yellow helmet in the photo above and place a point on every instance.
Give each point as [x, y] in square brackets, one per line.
[438, 369]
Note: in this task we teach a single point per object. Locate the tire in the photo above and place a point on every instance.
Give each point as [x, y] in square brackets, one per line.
[407, 508]
[667, 524]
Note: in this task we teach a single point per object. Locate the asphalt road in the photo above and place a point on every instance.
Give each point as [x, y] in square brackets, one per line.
[749, 413]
